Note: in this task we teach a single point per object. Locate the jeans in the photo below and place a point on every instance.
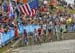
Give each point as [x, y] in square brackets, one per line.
[69, 28]
[73, 28]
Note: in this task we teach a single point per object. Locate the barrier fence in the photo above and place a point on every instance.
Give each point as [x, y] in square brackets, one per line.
[6, 37]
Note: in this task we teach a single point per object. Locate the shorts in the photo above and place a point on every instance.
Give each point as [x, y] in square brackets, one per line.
[25, 41]
[39, 33]
[45, 31]
[49, 30]
[0, 16]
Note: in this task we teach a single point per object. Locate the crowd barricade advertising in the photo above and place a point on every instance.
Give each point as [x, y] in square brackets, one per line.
[6, 37]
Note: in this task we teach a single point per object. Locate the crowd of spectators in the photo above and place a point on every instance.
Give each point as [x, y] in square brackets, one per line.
[51, 25]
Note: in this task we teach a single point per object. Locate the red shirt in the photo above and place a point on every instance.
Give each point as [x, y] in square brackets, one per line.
[43, 9]
[39, 30]
[16, 32]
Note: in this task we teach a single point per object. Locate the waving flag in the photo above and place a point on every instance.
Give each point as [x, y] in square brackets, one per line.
[29, 9]
[10, 9]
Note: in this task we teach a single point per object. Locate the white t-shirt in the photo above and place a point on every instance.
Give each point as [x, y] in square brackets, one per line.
[35, 34]
[44, 26]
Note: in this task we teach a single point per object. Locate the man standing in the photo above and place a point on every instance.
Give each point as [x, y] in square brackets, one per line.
[57, 31]
[35, 36]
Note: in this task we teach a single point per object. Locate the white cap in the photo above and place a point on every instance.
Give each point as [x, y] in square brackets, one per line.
[45, 2]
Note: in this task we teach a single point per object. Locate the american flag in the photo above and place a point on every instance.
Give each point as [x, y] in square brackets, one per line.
[10, 9]
[28, 9]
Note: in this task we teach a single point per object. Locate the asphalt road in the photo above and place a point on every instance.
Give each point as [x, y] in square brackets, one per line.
[66, 46]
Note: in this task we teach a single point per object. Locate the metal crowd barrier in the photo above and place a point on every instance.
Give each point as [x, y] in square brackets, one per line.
[6, 37]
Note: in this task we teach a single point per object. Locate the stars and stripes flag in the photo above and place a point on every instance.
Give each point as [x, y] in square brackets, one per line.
[29, 9]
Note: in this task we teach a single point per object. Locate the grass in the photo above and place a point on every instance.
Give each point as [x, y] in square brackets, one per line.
[6, 47]
[3, 49]
[68, 10]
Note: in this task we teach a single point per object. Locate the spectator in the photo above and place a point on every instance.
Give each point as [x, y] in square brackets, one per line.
[40, 35]
[1, 10]
[1, 28]
[16, 32]
[35, 36]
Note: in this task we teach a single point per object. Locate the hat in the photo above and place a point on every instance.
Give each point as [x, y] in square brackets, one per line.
[69, 20]
[45, 2]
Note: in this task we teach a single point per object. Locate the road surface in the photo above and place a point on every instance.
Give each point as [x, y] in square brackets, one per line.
[66, 46]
